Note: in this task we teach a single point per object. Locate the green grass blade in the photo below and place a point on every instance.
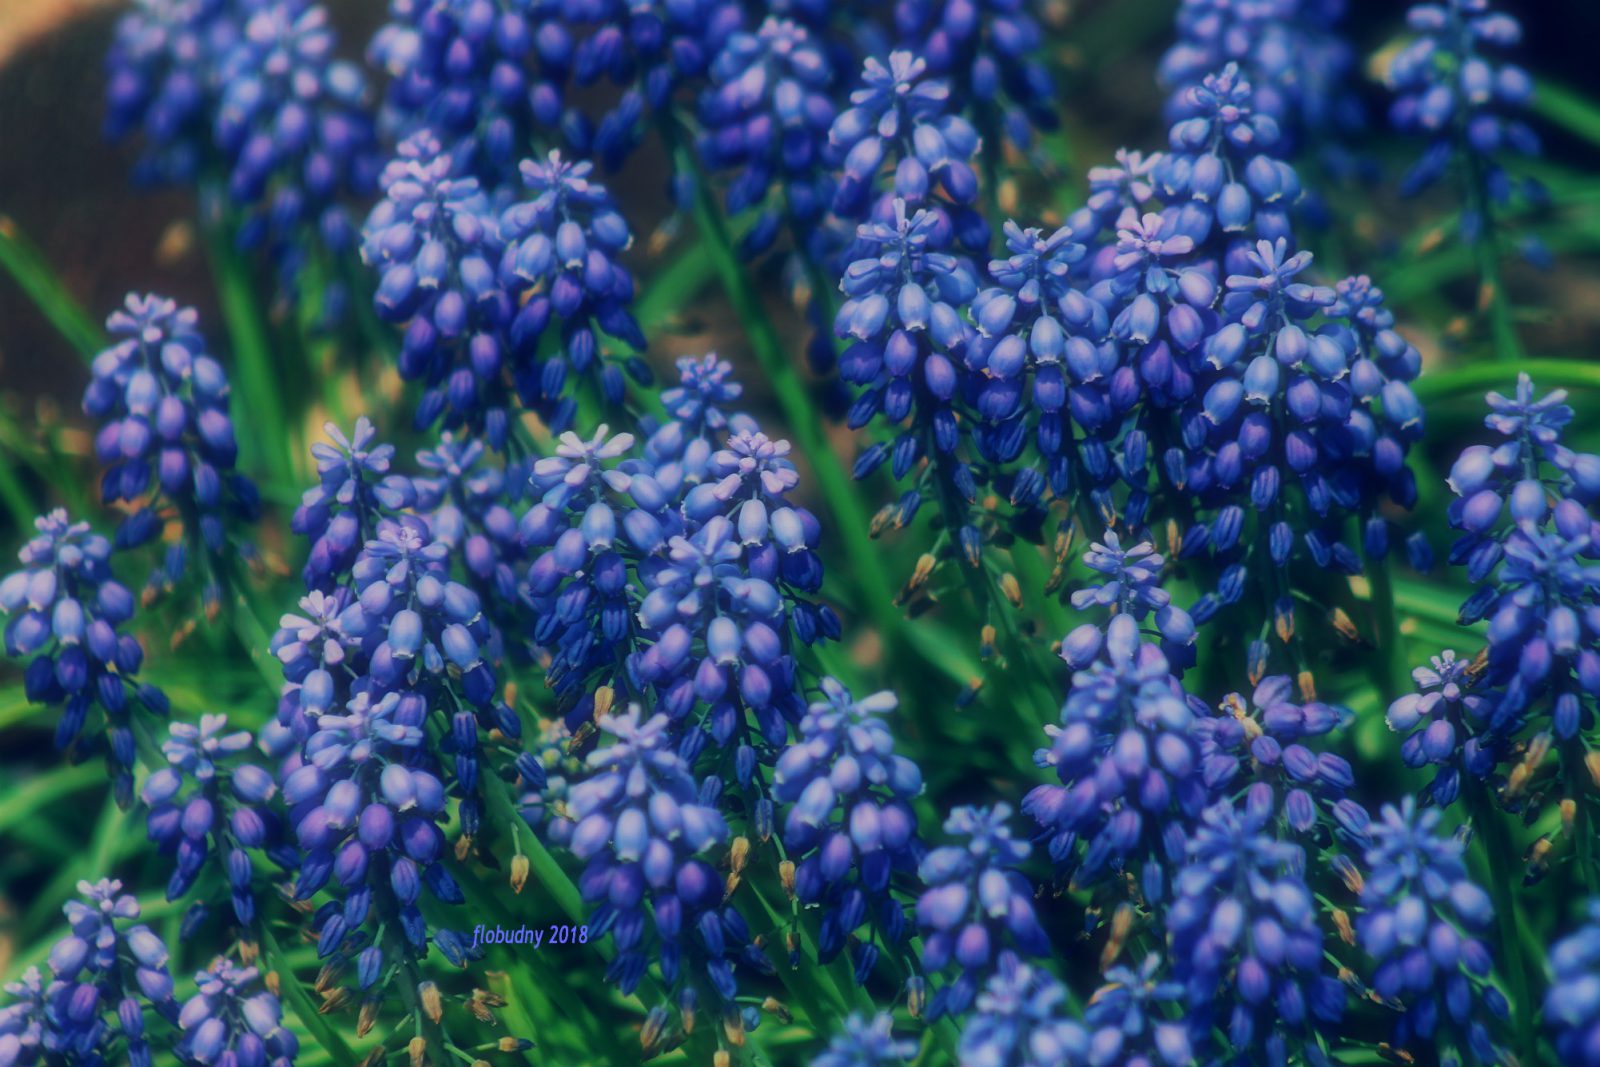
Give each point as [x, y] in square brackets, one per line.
[22, 260]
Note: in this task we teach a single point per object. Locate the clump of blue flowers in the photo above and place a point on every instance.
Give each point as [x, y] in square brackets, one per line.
[168, 445]
[66, 609]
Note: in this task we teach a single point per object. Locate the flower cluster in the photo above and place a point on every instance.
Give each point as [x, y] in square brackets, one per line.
[641, 825]
[1244, 936]
[1421, 922]
[1452, 90]
[388, 647]
[977, 909]
[849, 828]
[767, 114]
[1529, 543]
[65, 607]
[167, 441]
[1572, 1006]
[252, 87]
[864, 1042]
[1127, 761]
[561, 263]
[106, 973]
[210, 803]
[991, 52]
[225, 1022]
[1291, 50]
[1447, 725]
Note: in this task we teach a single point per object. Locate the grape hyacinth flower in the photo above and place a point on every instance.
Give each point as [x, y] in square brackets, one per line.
[224, 1022]
[435, 240]
[640, 825]
[168, 443]
[1129, 1017]
[766, 116]
[1291, 50]
[1244, 936]
[977, 908]
[1126, 760]
[866, 1042]
[1264, 740]
[1133, 588]
[107, 972]
[483, 76]
[1451, 89]
[354, 489]
[293, 130]
[1446, 723]
[65, 608]
[991, 52]
[561, 266]
[1422, 924]
[161, 82]
[1019, 1020]
[901, 120]
[849, 826]
[901, 314]
[209, 803]
[546, 772]
[1572, 1005]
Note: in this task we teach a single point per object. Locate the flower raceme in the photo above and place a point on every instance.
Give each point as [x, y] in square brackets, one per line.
[66, 607]
[168, 443]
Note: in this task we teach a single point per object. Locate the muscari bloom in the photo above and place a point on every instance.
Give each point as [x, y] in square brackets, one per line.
[106, 973]
[1452, 89]
[864, 1042]
[484, 76]
[225, 1022]
[641, 825]
[1019, 1020]
[209, 802]
[1128, 1014]
[435, 241]
[1126, 760]
[161, 81]
[167, 441]
[1422, 923]
[766, 116]
[1446, 725]
[991, 52]
[561, 264]
[1133, 588]
[977, 908]
[1572, 1004]
[1245, 941]
[294, 132]
[1291, 50]
[65, 607]
[901, 120]
[849, 826]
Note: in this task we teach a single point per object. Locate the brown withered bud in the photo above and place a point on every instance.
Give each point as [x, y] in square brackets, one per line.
[774, 1007]
[374, 1058]
[738, 853]
[334, 1000]
[418, 1048]
[519, 872]
[604, 697]
[721, 1058]
[733, 1029]
[1121, 926]
[1011, 589]
[463, 848]
[987, 636]
[273, 983]
[883, 519]
[432, 1003]
[1308, 686]
[786, 878]
[1344, 624]
[1341, 923]
[366, 1018]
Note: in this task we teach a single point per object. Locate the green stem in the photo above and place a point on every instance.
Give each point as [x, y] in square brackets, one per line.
[258, 409]
[1392, 674]
[1501, 863]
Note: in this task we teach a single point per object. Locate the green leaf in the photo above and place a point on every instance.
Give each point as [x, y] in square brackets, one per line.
[1569, 109]
[26, 265]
